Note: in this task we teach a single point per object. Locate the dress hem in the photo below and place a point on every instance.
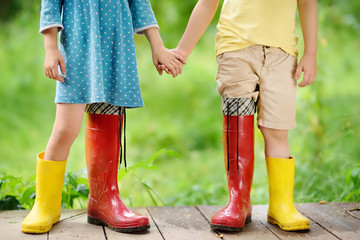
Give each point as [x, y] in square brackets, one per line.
[89, 102]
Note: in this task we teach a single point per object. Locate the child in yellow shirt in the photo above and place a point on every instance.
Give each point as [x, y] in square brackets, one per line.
[257, 68]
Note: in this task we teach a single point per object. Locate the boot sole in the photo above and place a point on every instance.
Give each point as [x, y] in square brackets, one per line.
[225, 228]
[97, 221]
[25, 228]
[36, 229]
[285, 228]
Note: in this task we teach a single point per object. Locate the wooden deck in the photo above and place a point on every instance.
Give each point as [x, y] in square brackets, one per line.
[328, 221]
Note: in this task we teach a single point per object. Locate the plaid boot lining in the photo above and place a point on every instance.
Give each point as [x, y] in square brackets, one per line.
[238, 106]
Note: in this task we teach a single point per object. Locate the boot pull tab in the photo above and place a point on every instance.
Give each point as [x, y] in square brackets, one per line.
[122, 112]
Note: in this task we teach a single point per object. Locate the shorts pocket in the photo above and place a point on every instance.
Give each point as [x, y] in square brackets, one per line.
[219, 58]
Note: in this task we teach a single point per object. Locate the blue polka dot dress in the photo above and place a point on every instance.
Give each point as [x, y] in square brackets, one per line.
[97, 43]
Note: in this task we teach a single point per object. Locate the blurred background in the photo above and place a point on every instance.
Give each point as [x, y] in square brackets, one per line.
[174, 145]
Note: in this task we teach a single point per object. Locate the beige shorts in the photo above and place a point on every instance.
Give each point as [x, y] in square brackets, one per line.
[265, 74]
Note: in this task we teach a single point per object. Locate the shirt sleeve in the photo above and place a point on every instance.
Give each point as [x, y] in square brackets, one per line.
[50, 15]
[142, 15]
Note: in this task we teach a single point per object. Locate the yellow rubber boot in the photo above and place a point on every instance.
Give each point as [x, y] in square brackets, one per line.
[282, 211]
[47, 207]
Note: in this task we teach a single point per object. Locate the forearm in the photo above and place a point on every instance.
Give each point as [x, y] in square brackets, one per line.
[50, 38]
[154, 38]
[309, 25]
[200, 19]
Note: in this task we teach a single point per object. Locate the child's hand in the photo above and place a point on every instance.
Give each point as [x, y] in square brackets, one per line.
[179, 56]
[53, 59]
[308, 65]
[164, 59]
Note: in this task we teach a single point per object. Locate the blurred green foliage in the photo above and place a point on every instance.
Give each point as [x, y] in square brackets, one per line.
[174, 142]
[17, 193]
[9, 9]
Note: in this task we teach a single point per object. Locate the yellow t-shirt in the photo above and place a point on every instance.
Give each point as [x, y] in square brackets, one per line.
[243, 23]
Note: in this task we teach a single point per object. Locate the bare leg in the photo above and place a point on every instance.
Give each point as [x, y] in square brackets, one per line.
[276, 142]
[66, 128]
[281, 171]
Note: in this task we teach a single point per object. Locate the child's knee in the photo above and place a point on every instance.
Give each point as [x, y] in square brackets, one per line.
[274, 134]
[65, 134]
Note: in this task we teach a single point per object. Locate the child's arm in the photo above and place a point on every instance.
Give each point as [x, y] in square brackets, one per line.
[309, 25]
[161, 55]
[200, 19]
[53, 57]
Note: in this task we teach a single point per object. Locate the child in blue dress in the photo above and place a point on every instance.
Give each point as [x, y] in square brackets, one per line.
[258, 72]
[96, 70]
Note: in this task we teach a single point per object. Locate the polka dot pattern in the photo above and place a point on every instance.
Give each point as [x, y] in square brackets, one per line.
[97, 43]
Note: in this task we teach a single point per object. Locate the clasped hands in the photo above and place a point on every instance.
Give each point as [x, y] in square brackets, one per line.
[170, 61]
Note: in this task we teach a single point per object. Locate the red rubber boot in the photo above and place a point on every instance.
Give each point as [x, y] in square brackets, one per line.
[102, 144]
[238, 142]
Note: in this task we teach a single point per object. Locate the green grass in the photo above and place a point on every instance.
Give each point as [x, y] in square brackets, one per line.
[183, 115]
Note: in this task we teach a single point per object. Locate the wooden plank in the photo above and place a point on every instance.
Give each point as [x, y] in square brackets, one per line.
[328, 221]
[333, 217]
[152, 234]
[315, 232]
[355, 213]
[10, 226]
[71, 213]
[353, 209]
[76, 228]
[253, 230]
[181, 223]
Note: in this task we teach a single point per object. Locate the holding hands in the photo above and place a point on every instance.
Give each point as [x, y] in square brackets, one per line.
[163, 58]
[168, 61]
[180, 56]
